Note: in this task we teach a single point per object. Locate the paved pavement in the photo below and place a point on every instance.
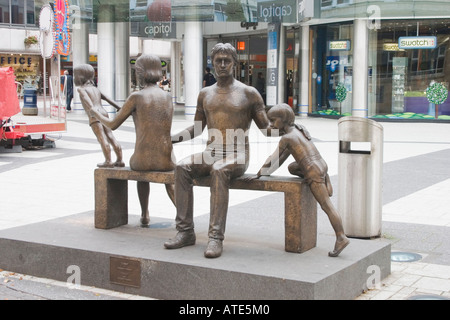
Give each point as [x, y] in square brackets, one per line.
[49, 183]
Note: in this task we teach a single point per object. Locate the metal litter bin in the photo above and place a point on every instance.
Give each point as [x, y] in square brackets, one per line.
[30, 102]
[360, 166]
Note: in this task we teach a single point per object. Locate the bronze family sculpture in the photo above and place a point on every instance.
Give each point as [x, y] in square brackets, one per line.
[152, 112]
[227, 108]
[309, 164]
[91, 99]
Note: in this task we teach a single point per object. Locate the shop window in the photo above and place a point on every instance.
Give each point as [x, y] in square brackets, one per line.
[326, 3]
[30, 12]
[333, 3]
[4, 11]
[17, 12]
[404, 75]
[332, 69]
[25, 66]
[440, 59]
[219, 12]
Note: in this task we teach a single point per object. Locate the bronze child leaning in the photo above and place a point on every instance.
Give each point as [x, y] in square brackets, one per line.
[309, 164]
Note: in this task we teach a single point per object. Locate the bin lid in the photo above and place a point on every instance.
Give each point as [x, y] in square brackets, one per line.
[353, 128]
[360, 120]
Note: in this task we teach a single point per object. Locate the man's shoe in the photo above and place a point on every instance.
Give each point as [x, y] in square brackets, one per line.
[214, 248]
[182, 239]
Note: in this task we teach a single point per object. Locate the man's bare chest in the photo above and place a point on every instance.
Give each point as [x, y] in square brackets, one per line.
[230, 104]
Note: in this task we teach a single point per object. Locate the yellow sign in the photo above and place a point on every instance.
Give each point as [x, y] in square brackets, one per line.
[339, 45]
[390, 47]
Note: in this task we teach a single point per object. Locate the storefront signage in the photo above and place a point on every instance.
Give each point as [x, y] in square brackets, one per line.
[390, 47]
[277, 11]
[61, 8]
[15, 59]
[333, 62]
[272, 63]
[160, 30]
[340, 45]
[25, 67]
[428, 42]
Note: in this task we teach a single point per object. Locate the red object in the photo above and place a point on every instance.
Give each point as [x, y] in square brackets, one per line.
[12, 135]
[291, 102]
[62, 27]
[160, 11]
[241, 45]
[9, 102]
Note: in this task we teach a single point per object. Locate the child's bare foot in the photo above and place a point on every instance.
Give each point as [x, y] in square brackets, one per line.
[339, 246]
[106, 164]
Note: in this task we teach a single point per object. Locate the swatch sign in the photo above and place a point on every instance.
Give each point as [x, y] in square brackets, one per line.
[426, 42]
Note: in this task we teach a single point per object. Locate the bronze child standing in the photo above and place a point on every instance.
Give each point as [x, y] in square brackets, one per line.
[308, 164]
[91, 99]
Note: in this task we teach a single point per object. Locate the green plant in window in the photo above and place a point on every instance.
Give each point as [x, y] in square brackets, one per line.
[341, 92]
[437, 93]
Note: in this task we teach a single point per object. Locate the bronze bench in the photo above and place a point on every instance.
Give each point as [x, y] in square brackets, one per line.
[300, 206]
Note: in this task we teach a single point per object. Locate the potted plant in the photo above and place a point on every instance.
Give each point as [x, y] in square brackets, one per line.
[30, 40]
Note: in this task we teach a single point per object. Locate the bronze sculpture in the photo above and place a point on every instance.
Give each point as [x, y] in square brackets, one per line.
[309, 164]
[91, 99]
[152, 112]
[227, 108]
